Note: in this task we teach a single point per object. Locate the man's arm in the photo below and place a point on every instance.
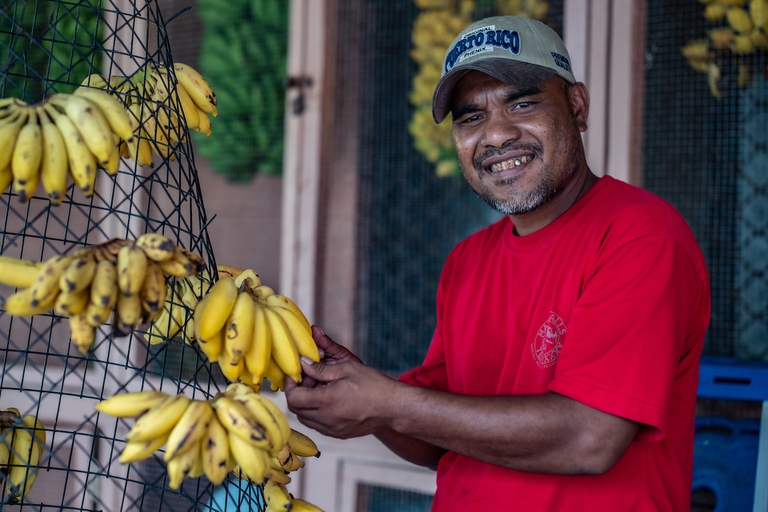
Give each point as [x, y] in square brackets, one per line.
[539, 433]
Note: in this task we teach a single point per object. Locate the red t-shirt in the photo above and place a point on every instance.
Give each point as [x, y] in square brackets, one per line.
[607, 305]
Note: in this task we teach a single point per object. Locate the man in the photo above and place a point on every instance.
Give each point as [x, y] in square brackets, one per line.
[563, 371]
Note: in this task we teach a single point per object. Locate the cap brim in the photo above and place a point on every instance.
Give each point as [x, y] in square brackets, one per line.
[521, 75]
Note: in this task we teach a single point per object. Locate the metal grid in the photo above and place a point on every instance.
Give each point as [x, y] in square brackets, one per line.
[41, 374]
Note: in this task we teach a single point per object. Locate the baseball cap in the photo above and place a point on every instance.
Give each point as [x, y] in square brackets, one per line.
[519, 51]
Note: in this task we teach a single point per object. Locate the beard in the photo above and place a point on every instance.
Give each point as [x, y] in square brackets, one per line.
[519, 202]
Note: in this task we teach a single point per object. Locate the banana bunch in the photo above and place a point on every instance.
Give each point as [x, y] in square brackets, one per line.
[159, 120]
[124, 276]
[251, 331]
[238, 431]
[65, 135]
[22, 445]
[743, 33]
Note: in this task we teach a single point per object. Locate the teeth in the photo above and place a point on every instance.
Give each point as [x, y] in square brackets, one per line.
[508, 164]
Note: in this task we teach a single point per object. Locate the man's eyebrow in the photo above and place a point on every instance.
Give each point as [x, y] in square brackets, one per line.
[511, 98]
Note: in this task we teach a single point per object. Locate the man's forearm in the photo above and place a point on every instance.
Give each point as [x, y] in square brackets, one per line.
[540, 433]
[411, 449]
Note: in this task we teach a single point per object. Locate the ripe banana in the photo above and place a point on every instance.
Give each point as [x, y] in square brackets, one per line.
[278, 476]
[300, 505]
[128, 314]
[82, 163]
[82, 333]
[190, 429]
[159, 420]
[128, 405]
[213, 345]
[238, 336]
[197, 87]
[154, 289]
[284, 349]
[276, 300]
[54, 167]
[6, 177]
[215, 446]
[182, 466]
[139, 450]
[131, 269]
[302, 337]
[249, 277]
[20, 304]
[104, 288]
[93, 126]
[9, 131]
[276, 496]
[221, 301]
[255, 405]
[113, 109]
[231, 368]
[237, 419]
[252, 460]
[183, 264]
[71, 303]
[27, 157]
[77, 276]
[302, 445]
[275, 376]
[157, 246]
[26, 452]
[6, 442]
[18, 273]
[47, 281]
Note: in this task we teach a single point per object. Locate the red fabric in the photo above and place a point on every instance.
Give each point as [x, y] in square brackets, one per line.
[607, 305]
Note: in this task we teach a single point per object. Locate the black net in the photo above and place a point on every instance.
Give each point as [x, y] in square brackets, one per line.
[47, 47]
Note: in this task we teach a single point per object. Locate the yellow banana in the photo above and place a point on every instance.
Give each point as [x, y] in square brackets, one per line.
[154, 290]
[300, 505]
[238, 336]
[255, 405]
[20, 304]
[197, 87]
[93, 126]
[302, 445]
[305, 344]
[113, 109]
[238, 420]
[77, 276]
[188, 109]
[6, 178]
[18, 273]
[6, 441]
[232, 369]
[190, 429]
[131, 269]
[213, 345]
[739, 20]
[283, 458]
[46, 282]
[129, 405]
[27, 157]
[97, 315]
[758, 11]
[279, 417]
[139, 450]
[159, 420]
[82, 333]
[9, 131]
[275, 376]
[157, 246]
[184, 263]
[215, 446]
[249, 277]
[278, 476]
[82, 163]
[235, 389]
[284, 349]
[252, 461]
[54, 167]
[128, 314]
[228, 270]
[277, 300]
[276, 496]
[182, 466]
[263, 291]
[71, 303]
[221, 301]
[104, 288]
[295, 464]
[25, 458]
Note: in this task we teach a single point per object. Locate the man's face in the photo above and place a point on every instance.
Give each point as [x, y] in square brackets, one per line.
[518, 149]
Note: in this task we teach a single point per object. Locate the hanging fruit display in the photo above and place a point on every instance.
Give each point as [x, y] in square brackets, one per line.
[738, 38]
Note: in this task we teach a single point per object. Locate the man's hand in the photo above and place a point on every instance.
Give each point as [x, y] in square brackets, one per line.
[330, 352]
[348, 400]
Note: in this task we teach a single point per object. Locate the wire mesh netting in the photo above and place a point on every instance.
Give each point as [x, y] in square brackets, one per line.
[48, 47]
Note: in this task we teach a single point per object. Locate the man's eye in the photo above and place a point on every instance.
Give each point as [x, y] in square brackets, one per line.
[469, 119]
[523, 104]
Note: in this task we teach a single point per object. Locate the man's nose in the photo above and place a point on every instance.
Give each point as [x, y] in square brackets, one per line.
[499, 130]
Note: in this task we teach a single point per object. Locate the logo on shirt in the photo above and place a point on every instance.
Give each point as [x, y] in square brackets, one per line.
[549, 341]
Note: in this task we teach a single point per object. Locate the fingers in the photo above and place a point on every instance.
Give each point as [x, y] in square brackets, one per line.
[330, 349]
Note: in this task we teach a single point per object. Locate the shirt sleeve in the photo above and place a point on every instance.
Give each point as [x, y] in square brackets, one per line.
[637, 318]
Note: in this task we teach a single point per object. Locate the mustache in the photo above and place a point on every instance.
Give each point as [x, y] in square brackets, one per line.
[534, 148]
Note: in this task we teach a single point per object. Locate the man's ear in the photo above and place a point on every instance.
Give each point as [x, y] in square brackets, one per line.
[578, 95]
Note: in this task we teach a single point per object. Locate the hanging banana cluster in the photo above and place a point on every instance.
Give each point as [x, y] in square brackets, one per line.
[742, 34]
[65, 135]
[438, 23]
[22, 446]
[160, 122]
[240, 323]
[238, 431]
[121, 276]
